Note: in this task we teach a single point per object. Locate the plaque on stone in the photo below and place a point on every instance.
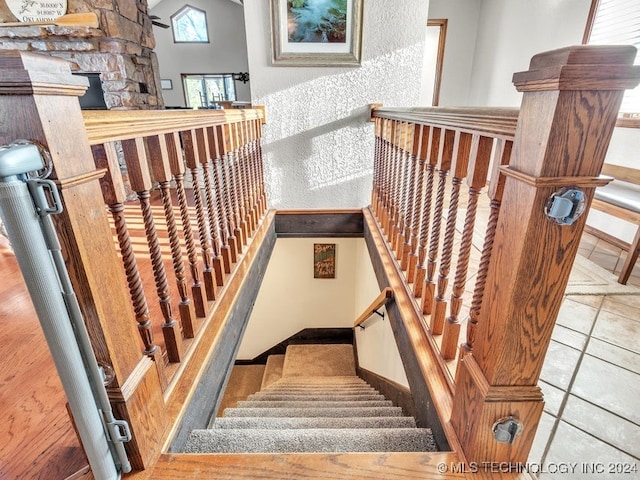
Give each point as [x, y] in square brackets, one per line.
[37, 10]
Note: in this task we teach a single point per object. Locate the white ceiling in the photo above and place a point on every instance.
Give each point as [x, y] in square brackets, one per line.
[153, 3]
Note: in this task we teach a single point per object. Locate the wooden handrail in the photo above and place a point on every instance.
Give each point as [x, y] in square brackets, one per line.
[495, 122]
[386, 295]
[111, 125]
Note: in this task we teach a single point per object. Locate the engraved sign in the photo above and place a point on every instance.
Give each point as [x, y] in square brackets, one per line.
[324, 260]
[37, 10]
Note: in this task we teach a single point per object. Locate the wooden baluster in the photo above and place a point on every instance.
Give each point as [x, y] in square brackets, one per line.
[221, 265]
[412, 201]
[223, 146]
[228, 250]
[394, 190]
[253, 176]
[223, 196]
[244, 175]
[403, 172]
[480, 159]
[113, 191]
[138, 169]
[177, 166]
[495, 192]
[386, 173]
[236, 177]
[192, 160]
[461, 150]
[423, 145]
[262, 189]
[157, 152]
[421, 272]
[408, 169]
[445, 156]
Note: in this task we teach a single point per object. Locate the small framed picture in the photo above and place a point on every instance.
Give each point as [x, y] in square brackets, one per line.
[324, 260]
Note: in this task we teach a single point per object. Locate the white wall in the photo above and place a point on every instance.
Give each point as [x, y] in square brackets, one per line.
[318, 144]
[226, 51]
[510, 32]
[376, 345]
[290, 299]
[462, 28]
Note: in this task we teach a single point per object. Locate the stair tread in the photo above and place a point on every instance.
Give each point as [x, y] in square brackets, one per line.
[313, 422]
[310, 440]
[314, 412]
[314, 397]
[312, 404]
[273, 370]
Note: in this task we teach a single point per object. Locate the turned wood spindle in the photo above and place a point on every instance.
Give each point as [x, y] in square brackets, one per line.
[140, 178]
[445, 156]
[192, 160]
[461, 151]
[480, 159]
[177, 166]
[421, 271]
[113, 192]
[159, 159]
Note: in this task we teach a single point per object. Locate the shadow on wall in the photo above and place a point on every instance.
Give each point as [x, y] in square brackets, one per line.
[321, 165]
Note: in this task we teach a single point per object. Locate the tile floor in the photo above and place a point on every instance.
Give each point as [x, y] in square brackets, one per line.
[590, 428]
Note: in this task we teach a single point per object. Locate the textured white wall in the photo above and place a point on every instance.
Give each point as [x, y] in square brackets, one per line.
[318, 144]
[226, 51]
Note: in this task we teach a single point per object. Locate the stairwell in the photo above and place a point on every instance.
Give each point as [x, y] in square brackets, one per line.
[312, 402]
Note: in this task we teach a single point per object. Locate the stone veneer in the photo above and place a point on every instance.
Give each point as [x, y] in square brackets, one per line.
[120, 49]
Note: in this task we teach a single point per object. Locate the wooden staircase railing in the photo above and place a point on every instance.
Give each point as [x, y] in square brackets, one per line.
[386, 295]
[519, 160]
[190, 183]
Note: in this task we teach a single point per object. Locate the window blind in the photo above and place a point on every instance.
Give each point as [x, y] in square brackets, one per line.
[617, 22]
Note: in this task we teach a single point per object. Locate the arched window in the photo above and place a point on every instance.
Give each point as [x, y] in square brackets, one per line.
[190, 25]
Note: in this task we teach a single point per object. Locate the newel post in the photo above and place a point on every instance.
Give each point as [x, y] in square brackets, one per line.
[39, 103]
[569, 109]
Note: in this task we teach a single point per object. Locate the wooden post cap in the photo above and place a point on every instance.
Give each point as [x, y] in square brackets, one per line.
[581, 67]
[27, 73]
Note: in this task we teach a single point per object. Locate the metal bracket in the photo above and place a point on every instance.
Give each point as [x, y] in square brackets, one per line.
[506, 429]
[565, 206]
[377, 312]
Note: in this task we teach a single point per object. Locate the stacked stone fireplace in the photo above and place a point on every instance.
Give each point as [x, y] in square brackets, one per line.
[120, 49]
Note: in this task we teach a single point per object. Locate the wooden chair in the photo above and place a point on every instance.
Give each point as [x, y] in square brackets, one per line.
[621, 198]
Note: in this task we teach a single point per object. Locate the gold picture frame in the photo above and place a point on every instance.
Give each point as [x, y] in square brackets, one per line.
[335, 40]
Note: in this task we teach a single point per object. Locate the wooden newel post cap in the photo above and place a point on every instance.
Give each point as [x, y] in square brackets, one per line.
[581, 67]
[26, 73]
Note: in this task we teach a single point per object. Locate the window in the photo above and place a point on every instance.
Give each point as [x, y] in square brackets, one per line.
[617, 22]
[206, 91]
[190, 25]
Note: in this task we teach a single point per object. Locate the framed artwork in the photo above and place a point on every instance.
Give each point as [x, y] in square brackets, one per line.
[316, 33]
[324, 260]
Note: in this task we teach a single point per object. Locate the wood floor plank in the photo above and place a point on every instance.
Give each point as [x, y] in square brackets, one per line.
[39, 440]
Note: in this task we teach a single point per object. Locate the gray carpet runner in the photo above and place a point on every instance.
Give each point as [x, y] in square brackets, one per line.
[331, 411]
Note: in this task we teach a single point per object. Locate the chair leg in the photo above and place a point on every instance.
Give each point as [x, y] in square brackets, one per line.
[632, 257]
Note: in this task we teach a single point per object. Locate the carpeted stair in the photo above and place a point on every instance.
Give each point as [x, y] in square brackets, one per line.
[332, 410]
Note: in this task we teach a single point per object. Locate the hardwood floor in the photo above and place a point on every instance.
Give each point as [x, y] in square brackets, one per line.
[39, 440]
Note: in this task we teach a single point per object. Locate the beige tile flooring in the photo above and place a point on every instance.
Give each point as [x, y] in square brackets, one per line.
[590, 428]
